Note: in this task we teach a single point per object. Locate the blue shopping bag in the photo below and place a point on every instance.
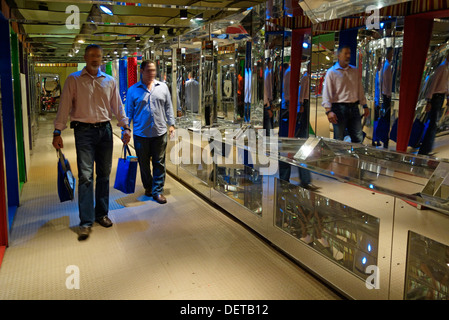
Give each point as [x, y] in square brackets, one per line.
[125, 178]
[419, 129]
[394, 131]
[66, 180]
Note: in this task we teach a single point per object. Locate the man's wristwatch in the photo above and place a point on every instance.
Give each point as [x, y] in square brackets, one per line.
[124, 129]
[56, 133]
[327, 112]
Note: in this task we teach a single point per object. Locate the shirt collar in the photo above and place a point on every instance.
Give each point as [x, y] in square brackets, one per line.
[141, 84]
[99, 74]
[338, 66]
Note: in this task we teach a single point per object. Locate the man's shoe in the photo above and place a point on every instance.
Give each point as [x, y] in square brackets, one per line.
[105, 222]
[83, 233]
[310, 187]
[160, 199]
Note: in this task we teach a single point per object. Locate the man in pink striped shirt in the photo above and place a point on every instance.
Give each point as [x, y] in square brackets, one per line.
[437, 92]
[91, 98]
[342, 94]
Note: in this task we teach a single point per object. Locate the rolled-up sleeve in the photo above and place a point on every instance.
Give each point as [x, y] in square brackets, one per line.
[129, 106]
[65, 103]
[327, 91]
[169, 114]
[117, 107]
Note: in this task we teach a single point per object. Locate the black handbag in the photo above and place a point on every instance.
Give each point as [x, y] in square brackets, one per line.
[66, 180]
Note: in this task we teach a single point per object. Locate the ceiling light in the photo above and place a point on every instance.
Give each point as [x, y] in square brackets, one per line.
[150, 40]
[81, 41]
[106, 9]
[183, 14]
[327, 57]
[198, 17]
[137, 39]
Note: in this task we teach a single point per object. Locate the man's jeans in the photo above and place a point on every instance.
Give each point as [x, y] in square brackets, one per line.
[152, 150]
[348, 115]
[267, 121]
[285, 172]
[302, 123]
[434, 116]
[93, 145]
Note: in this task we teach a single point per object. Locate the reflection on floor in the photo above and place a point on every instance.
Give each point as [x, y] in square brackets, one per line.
[184, 249]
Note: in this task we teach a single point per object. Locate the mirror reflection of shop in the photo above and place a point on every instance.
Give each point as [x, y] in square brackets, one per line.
[209, 84]
[273, 76]
[379, 60]
[187, 82]
[164, 67]
[433, 91]
[322, 58]
[50, 91]
[226, 82]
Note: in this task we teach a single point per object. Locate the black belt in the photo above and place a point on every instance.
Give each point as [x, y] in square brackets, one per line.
[350, 104]
[74, 124]
[439, 94]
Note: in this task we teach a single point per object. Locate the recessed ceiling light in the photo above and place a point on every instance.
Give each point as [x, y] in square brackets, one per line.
[106, 9]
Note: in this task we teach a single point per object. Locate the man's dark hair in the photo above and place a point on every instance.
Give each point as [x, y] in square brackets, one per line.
[145, 63]
[345, 46]
[92, 46]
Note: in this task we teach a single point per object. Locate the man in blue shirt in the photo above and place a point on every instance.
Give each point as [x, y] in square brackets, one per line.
[149, 107]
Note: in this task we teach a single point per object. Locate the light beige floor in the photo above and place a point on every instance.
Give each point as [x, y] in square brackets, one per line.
[182, 250]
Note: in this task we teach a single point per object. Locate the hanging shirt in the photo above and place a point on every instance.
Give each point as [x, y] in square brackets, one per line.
[150, 111]
[90, 99]
[439, 81]
[342, 85]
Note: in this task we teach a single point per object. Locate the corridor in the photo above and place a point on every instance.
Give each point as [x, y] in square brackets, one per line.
[183, 250]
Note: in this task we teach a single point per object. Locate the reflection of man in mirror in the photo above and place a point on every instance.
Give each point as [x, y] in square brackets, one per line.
[283, 123]
[268, 98]
[386, 85]
[342, 93]
[438, 90]
[376, 141]
[303, 115]
[192, 94]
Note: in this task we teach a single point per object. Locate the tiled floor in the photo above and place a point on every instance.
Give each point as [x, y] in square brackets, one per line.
[184, 249]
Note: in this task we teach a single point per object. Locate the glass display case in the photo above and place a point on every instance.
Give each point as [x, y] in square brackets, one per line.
[343, 234]
[360, 218]
[357, 231]
[427, 275]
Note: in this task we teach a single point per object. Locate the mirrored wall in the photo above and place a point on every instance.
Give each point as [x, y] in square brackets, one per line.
[369, 48]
